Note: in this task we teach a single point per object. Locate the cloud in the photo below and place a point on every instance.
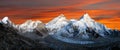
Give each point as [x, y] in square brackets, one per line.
[104, 11]
[55, 4]
[111, 4]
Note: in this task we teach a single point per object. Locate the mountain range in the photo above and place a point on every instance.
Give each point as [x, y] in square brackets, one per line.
[58, 34]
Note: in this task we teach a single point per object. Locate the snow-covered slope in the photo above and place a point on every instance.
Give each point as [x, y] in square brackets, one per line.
[28, 26]
[57, 23]
[86, 22]
[28, 29]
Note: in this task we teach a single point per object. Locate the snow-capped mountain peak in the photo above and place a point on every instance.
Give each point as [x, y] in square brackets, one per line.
[5, 20]
[57, 23]
[61, 15]
[86, 17]
[60, 18]
[87, 21]
[28, 26]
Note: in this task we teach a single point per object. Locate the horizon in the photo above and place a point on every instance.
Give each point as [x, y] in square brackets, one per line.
[58, 16]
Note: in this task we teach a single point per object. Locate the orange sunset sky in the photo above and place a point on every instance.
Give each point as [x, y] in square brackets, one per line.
[103, 11]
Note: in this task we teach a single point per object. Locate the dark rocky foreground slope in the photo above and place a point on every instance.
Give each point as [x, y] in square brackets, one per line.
[11, 40]
[58, 34]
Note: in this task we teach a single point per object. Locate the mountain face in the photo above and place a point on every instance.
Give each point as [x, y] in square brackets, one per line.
[84, 32]
[83, 29]
[57, 23]
[29, 26]
[60, 33]
[32, 29]
[10, 38]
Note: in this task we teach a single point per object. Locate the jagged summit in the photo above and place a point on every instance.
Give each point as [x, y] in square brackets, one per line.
[61, 15]
[57, 23]
[60, 18]
[86, 17]
[5, 20]
[28, 26]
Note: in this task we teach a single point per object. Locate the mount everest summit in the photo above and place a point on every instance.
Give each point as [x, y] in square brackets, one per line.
[60, 33]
